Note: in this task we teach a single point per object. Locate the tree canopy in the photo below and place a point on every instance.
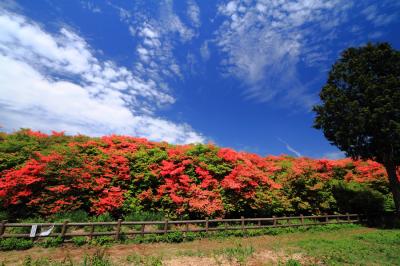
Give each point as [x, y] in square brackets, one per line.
[360, 109]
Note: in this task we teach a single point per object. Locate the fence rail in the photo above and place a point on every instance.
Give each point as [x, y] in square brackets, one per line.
[119, 228]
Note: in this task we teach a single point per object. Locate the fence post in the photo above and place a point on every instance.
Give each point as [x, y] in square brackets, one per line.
[326, 218]
[187, 227]
[302, 219]
[91, 231]
[166, 226]
[2, 227]
[142, 229]
[274, 220]
[259, 223]
[118, 229]
[206, 224]
[242, 222]
[348, 216]
[64, 230]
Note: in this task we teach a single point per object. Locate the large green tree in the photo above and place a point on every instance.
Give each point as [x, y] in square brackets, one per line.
[360, 108]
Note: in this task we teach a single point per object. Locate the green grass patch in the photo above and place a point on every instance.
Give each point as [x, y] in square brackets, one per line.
[237, 254]
[379, 247]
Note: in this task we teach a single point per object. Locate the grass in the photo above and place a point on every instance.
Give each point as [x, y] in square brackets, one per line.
[379, 247]
[99, 258]
[139, 260]
[332, 245]
[238, 253]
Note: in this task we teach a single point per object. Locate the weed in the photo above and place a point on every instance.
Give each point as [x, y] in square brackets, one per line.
[99, 258]
[139, 260]
[238, 253]
[293, 262]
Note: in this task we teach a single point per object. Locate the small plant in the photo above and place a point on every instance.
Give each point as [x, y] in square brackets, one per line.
[51, 242]
[79, 241]
[175, 237]
[293, 262]
[15, 244]
[139, 260]
[102, 240]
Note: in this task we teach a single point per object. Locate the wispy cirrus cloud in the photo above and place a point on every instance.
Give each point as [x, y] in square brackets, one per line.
[55, 81]
[265, 42]
[290, 148]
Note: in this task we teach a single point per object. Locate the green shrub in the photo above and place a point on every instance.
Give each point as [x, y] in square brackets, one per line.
[15, 244]
[79, 241]
[355, 197]
[51, 242]
[144, 216]
[102, 240]
[175, 237]
[105, 217]
[190, 236]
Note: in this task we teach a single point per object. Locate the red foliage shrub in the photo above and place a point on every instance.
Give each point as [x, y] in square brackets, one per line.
[116, 173]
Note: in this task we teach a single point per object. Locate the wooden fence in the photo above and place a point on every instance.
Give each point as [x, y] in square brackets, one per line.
[119, 228]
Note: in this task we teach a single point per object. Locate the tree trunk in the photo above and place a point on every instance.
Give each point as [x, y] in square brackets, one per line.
[394, 184]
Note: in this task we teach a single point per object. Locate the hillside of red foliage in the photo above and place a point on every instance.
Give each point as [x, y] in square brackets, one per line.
[44, 174]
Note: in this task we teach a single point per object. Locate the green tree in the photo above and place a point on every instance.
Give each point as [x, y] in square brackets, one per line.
[360, 109]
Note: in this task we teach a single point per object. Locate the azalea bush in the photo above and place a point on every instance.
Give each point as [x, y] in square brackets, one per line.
[54, 174]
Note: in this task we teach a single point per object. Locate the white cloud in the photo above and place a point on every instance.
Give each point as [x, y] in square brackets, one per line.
[334, 155]
[266, 41]
[290, 148]
[91, 6]
[55, 82]
[170, 23]
[193, 13]
[205, 51]
[372, 14]
[157, 37]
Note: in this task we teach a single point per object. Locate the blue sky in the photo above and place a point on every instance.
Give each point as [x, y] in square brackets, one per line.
[241, 74]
